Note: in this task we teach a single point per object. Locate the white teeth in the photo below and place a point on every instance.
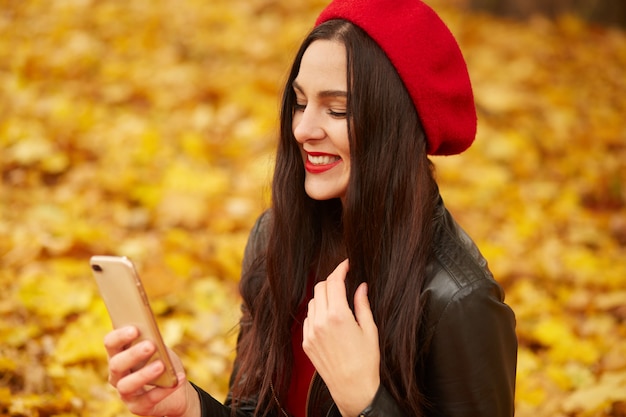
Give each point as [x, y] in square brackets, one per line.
[322, 159]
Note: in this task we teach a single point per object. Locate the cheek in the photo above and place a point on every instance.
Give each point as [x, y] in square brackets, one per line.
[343, 146]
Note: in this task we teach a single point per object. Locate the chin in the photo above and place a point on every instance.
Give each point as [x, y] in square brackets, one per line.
[322, 196]
[322, 191]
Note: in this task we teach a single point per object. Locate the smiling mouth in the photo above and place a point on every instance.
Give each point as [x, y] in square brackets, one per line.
[319, 160]
[316, 163]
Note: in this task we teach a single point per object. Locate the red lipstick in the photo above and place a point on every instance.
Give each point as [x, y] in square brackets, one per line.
[319, 162]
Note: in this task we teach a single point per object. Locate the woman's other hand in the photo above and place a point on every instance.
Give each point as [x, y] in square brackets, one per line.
[133, 387]
[343, 346]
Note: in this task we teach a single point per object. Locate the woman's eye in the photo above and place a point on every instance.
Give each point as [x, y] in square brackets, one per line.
[299, 107]
[338, 114]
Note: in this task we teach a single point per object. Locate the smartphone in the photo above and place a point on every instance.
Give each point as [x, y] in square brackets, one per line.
[127, 304]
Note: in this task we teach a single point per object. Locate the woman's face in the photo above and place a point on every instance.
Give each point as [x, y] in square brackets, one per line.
[319, 119]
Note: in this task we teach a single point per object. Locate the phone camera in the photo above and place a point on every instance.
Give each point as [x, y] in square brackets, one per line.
[96, 268]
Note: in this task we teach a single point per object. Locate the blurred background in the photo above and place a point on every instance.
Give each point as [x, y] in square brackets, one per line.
[147, 129]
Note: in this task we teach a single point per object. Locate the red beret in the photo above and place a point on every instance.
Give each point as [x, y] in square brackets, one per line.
[427, 58]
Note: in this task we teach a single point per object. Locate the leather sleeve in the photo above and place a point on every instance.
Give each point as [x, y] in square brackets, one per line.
[472, 360]
[210, 407]
[383, 405]
[473, 355]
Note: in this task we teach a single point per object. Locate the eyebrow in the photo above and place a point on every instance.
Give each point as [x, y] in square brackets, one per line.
[324, 93]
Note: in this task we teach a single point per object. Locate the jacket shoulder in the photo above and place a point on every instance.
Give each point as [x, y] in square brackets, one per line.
[467, 325]
[457, 270]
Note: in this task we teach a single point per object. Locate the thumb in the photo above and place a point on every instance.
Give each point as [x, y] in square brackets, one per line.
[362, 308]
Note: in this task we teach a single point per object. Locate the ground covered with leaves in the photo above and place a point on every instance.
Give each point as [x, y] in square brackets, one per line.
[147, 129]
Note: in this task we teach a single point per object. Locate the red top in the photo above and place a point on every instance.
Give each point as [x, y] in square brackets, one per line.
[303, 369]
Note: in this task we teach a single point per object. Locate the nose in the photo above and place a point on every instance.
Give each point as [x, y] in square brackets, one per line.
[306, 125]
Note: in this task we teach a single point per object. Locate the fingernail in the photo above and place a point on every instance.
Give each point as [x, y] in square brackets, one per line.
[146, 346]
[156, 367]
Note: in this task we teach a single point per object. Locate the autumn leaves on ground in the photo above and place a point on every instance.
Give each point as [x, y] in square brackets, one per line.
[147, 129]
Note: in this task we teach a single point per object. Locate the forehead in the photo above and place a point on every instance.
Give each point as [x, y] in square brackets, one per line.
[323, 66]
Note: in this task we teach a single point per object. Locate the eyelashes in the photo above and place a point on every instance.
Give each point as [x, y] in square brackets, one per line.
[338, 114]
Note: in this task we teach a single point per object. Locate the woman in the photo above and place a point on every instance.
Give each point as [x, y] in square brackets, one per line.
[361, 295]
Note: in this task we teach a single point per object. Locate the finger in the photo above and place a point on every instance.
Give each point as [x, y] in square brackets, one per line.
[337, 286]
[117, 340]
[362, 308]
[156, 395]
[121, 364]
[320, 297]
[339, 274]
[305, 333]
[311, 309]
[310, 317]
[149, 401]
[133, 384]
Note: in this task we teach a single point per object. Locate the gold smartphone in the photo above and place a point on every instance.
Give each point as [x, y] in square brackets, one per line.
[127, 304]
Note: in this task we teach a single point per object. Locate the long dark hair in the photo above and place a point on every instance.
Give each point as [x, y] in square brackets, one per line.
[384, 228]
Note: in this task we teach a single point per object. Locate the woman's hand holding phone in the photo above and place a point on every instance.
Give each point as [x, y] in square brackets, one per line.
[133, 385]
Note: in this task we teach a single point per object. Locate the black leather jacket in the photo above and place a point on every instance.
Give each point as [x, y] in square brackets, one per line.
[469, 334]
